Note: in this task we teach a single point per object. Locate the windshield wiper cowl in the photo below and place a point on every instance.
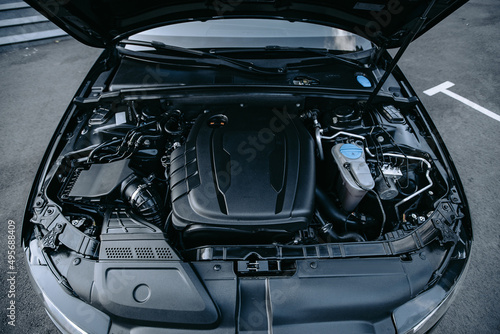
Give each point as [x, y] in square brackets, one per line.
[200, 57]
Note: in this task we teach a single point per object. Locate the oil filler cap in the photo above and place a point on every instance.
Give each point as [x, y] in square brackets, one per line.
[351, 151]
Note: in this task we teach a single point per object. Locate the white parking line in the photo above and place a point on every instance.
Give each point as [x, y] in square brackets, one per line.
[443, 88]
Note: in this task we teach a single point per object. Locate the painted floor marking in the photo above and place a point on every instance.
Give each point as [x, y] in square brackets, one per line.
[443, 88]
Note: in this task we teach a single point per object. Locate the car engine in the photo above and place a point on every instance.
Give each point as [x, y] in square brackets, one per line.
[237, 178]
[189, 173]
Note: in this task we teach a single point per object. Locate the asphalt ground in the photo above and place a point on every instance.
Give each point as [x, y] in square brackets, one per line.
[37, 84]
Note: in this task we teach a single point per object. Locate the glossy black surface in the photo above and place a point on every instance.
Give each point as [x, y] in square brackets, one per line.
[384, 22]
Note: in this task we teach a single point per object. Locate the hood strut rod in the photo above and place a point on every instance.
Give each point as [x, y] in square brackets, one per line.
[411, 35]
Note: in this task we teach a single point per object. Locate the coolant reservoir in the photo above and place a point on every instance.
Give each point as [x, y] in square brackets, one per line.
[355, 177]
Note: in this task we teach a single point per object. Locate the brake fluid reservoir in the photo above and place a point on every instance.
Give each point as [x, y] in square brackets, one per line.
[355, 177]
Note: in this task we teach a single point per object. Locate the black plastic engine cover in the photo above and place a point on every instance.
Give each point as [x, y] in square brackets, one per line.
[244, 169]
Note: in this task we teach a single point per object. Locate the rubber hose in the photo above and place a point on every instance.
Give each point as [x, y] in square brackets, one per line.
[327, 207]
[349, 236]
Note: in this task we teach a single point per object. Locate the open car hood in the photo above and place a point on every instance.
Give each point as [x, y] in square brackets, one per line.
[385, 22]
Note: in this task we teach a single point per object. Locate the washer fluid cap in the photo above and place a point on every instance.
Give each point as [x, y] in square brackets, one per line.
[364, 81]
[351, 151]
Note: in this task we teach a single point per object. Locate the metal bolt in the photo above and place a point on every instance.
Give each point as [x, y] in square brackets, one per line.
[422, 256]
[217, 267]
[380, 139]
[77, 261]
[446, 207]
[50, 211]
[314, 265]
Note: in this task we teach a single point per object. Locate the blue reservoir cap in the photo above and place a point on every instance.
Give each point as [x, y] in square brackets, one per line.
[364, 81]
[351, 151]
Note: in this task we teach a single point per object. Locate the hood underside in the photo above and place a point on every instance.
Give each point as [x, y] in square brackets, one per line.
[101, 23]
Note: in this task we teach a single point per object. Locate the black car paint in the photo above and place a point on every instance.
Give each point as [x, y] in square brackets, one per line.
[305, 296]
[344, 287]
[102, 24]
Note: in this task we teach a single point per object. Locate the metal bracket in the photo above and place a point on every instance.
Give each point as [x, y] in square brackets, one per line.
[253, 266]
[50, 239]
[443, 217]
[447, 233]
[62, 231]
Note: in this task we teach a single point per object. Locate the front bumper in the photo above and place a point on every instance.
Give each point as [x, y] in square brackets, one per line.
[423, 312]
[69, 314]
[417, 315]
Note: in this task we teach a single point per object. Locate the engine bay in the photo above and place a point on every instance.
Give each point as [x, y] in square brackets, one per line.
[269, 170]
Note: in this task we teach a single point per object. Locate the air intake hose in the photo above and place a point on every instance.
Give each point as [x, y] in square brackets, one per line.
[338, 217]
[143, 199]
